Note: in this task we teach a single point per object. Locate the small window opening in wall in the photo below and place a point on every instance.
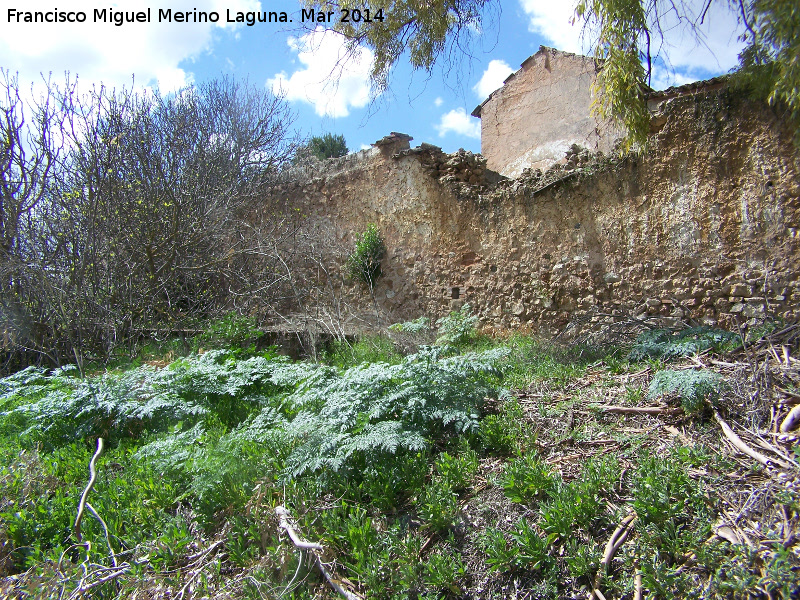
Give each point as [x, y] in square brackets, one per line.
[456, 293]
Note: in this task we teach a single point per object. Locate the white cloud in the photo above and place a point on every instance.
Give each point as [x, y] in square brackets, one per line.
[458, 121]
[331, 80]
[492, 78]
[438, 102]
[712, 48]
[553, 20]
[97, 51]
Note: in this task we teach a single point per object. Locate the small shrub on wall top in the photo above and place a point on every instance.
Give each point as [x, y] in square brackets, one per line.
[364, 263]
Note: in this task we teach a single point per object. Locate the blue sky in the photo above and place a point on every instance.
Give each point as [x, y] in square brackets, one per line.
[432, 107]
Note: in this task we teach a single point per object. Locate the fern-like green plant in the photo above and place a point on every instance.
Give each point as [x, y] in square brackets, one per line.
[666, 344]
[458, 328]
[118, 405]
[375, 409]
[694, 387]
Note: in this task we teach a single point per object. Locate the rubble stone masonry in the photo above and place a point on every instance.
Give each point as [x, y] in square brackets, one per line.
[704, 226]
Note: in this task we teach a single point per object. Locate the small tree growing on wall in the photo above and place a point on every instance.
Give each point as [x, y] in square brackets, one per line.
[364, 264]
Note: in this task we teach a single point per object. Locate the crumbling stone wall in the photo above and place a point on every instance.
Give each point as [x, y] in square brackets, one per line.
[704, 227]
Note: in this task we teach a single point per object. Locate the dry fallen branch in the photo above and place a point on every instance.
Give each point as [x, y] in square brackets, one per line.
[283, 516]
[197, 572]
[614, 543]
[89, 486]
[791, 421]
[638, 410]
[637, 586]
[740, 445]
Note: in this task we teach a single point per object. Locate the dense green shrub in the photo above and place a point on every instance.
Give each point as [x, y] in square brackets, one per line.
[230, 331]
[364, 264]
[458, 328]
[327, 146]
[376, 409]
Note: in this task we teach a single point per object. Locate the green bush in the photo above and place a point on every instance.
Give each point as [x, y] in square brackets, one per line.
[230, 331]
[364, 264]
[327, 146]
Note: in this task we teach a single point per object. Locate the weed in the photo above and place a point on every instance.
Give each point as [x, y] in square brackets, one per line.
[582, 558]
[241, 544]
[230, 331]
[443, 571]
[527, 478]
[366, 349]
[505, 433]
[532, 549]
[570, 505]
[663, 491]
[500, 555]
[457, 472]
[437, 505]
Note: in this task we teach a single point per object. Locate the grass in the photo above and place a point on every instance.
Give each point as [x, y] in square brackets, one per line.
[530, 495]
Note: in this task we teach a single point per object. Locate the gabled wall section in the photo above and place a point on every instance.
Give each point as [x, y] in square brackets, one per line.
[540, 111]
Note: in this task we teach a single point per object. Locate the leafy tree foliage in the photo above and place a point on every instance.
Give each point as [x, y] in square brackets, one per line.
[426, 30]
[327, 146]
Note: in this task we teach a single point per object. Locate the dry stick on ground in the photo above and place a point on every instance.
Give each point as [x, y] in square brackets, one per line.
[741, 446]
[791, 421]
[283, 516]
[89, 486]
[194, 576]
[638, 410]
[614, 543]
[83, 588]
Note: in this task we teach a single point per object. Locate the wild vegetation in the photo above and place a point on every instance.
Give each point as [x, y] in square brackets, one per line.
[125, 214]
[478, 466]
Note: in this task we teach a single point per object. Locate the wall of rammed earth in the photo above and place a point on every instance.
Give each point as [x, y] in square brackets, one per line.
[706, 226]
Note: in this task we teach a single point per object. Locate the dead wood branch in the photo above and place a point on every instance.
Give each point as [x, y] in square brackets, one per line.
[283, 516]
[638, 410]
[740, 445]
[92, 478]
[791, 421]
[614, 543]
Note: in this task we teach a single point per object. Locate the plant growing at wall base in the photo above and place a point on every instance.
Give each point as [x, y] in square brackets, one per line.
[364, 264]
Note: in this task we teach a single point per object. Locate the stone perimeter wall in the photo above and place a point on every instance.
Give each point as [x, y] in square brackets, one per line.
[706, 225]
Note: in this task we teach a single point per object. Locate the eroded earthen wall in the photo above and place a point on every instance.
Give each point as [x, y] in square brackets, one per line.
[705, 226]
